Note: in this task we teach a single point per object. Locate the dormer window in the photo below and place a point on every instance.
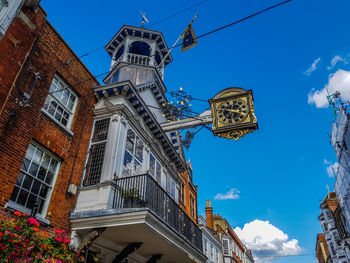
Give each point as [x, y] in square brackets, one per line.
[119, 53]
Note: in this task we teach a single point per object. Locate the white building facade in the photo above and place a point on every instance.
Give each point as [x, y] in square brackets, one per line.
[127, 208]
[212, 247]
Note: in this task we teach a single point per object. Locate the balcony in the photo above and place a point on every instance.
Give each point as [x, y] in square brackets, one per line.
[143, 192]
[137, 209]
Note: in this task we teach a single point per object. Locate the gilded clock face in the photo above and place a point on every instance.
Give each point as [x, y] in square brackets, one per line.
[232, 112]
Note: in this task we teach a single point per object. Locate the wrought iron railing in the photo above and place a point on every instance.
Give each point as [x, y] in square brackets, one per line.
[143, 192]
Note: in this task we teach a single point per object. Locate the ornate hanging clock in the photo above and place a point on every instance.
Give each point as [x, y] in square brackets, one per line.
[233, 113]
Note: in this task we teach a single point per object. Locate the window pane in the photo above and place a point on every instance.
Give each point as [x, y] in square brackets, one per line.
[36, 187]
[137, 167]
[37, 155]
[30, 151]
[130, 141]
[14, 194]
[100, 130]
[46, 161]
[49, 177]
[27, 183]
[65, 97]
[158, 171]
[58, 114]
[41, 205]
[53, 165]
[43, 191]
[25, 164]
[22, 198]
[31, 201]
[20, 179]
[152, 165]
[33, 169]
[95, 163]
[71, 101]
[139, 149]
[53, 86]
[51, 109]
[127, 164]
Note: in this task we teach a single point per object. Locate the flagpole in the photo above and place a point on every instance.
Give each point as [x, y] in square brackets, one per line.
[176, 42]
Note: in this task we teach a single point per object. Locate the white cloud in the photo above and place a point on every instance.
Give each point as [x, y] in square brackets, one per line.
[326, 162]
[339, 81]
[335, 60]
[313, 67]
[332, 169]
[267, 241]
[231, 194]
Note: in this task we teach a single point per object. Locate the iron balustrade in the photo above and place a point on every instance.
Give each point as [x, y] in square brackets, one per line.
[144, 192]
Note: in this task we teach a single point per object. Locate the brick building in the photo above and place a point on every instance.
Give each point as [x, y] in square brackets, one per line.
[234, 251]
[46, 103]
[188, 193]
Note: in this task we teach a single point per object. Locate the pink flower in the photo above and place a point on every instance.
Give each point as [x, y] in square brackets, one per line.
[32, 221]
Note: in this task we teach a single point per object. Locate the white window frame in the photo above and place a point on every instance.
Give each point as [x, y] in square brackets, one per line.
[7, 14]
[156, 164]
[171, 186]
[15, 205]
[91, 143]
[62, 86]
[133, 154]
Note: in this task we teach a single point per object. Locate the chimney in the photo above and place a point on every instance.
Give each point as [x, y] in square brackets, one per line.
[209, 215]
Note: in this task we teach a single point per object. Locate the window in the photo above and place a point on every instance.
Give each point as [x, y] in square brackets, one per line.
[8, 11]
[60, 102]
[133, 156]
[170, 186]
[192, 207]
[225, 246]
[155, 169]
[3, 4]
[36, 178]
[96, 153]
[182, 193]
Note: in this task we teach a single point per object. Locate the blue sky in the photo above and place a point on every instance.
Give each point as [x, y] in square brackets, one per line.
[278, 170]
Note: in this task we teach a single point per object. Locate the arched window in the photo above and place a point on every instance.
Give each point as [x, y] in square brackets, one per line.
[158, 58]
[140, 48]
[119, 52]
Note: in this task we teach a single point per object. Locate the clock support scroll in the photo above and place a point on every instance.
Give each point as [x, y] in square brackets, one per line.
[232, 115]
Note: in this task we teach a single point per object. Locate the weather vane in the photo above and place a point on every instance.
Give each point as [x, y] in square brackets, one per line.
[144, 18]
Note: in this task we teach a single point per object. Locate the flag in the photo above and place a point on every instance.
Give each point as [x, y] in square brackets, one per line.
[189, 38]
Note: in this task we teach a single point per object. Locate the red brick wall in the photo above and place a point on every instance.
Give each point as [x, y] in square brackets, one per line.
[47, 58]
[189, 191]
